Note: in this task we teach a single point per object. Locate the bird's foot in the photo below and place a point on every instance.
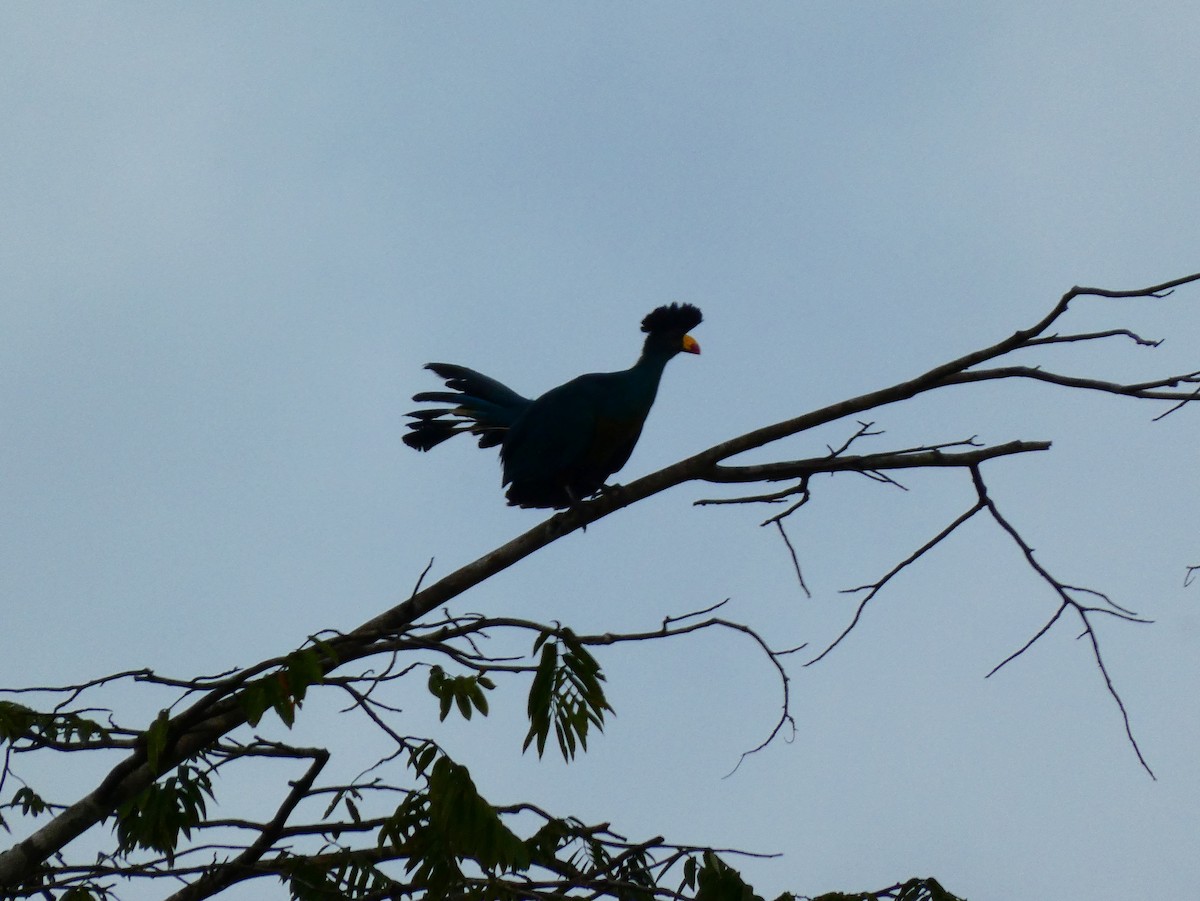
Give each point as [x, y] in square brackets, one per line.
[614, 491]
[575, 505]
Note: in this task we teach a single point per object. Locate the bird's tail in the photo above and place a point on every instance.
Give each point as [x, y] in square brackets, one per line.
[481, 406]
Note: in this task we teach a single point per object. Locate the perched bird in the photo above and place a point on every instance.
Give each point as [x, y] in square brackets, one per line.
[558, 449]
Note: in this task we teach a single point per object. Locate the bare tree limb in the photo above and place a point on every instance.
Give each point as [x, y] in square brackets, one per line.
[1064, 592]
[874, 588]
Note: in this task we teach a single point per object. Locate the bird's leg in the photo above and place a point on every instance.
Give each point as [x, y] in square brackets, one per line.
[574, 504]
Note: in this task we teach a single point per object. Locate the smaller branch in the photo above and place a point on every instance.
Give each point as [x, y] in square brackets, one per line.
[421, 578]
[1091, 336]
[1025, 647]
[1152, 390]
[74, 691]
[785, 718]
[1064, 592]
[914, 458]
[1182, 403]
[876, 476]
[790, 510]
[795, 560]
[805, 495]
[364, 704]
[1112, 690]
[874, 588]
[773, 497]
[39, 744]
[669, 621]
[864, 431]
[1127, 613]
[220, 877]
[1158, 291]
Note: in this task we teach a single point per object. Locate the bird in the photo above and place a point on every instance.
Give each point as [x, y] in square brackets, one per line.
[560, 449]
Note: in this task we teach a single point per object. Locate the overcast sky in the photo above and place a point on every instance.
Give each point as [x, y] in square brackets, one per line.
[230, 235]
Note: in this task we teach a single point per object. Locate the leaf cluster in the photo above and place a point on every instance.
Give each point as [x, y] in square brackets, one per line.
[927, 889]
[464, 692]
[447, 824]
[157, 817]
[284, 689]
[566, 694]
[65, 730]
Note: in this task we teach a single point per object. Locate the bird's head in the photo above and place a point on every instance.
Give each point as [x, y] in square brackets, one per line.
[667, 329]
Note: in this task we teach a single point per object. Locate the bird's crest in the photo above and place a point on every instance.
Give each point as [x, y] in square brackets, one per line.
[678, 317]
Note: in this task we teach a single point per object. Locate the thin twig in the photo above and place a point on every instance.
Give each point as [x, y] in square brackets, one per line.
[795, 560]
[1064, 592]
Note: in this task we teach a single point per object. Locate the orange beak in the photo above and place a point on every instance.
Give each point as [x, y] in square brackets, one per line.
[690, 345]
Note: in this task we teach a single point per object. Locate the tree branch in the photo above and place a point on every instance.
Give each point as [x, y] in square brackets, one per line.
[219, 877]
[223, 708]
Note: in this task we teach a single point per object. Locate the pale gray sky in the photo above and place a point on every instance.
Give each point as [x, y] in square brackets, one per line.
[230, 235]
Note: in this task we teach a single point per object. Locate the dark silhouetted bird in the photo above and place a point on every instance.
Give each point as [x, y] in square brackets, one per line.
[558, 449]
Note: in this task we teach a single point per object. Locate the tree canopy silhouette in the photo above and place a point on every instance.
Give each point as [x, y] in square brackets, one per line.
[414, 824]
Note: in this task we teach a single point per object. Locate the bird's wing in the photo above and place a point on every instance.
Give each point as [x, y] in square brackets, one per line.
[553, 434]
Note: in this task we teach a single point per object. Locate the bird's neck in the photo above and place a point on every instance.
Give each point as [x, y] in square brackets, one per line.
[646, 374]
[651, 363]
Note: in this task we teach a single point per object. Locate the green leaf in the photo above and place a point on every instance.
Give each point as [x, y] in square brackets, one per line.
[689, 874]
[478, 698]
[423, 757]
[437, 677]
[156, 738]
[718, 881]
[541, 695]
[254, 701]
[29, 801]
[303, 669]
[463, 700]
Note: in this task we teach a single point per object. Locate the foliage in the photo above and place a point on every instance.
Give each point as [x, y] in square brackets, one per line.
[566, 694]
[912, 890]
[465, 692]
[155, 819]
[35, 729]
